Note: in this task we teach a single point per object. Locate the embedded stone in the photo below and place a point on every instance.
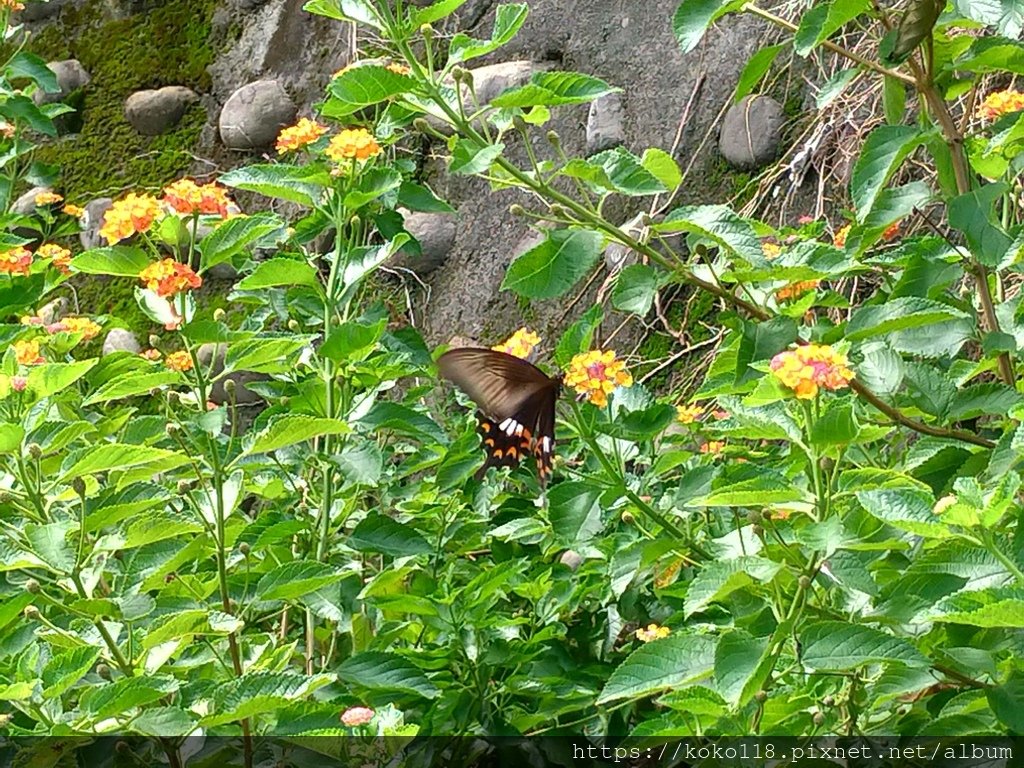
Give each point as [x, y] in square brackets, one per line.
[71, 76]
[53, 311]
[254, 114]
[154, 112]
[26, 204]
[751, 133]
[605, 128]
[91, 221]
[40, 9]
[435, 233]
[121, 340]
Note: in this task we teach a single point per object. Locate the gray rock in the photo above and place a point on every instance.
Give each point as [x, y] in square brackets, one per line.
[91, 222]
[752, 132]
[492, 79]
[26, 204]
[571, 559]
[153, 112]
[254, 115]
[71, 76]
[37, 10]
[605, 128]
[435, 233]
[120, 340]
[214, 353]
[53, 311]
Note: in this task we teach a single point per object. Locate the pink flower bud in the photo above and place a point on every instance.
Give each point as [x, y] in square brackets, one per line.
[18, 383]
[356, 716]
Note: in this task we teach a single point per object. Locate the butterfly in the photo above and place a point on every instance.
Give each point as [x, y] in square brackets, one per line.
[516, 401]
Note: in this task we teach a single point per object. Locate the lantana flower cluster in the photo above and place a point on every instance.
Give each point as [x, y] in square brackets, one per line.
[16, 261]
[520, 344]
[297, 136]
[168, 278]
[128, 216]
[188, 198]
[1000, 103]
[809, 367]
[595, 375]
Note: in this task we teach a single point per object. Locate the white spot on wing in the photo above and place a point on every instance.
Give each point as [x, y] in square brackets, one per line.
[504, 425]
[512, 425]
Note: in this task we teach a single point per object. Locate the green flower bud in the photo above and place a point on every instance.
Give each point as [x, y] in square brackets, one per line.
[78, 485]
[818, 719]
[230, 386]
[516, 210]
[33, 586]
[35, 450]
[218, 314]
[31, 612]
[244, 548]
[103, 671]
[804, 581]
[293, 324]
[183, 487]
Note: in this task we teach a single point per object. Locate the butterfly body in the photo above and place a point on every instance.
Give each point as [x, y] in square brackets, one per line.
[516, 402]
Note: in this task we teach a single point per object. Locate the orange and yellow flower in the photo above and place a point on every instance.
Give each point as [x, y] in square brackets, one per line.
[151, 354]
[713, 447]
[89, 328]
[17, 261]
[520, 344]
[352, 143]
[169, 278]
[129, 215]
[891, 232]
[179, 361]
[796, 289]
[188, 198]
[808, 367]
[59, 256]
[839, 238]
[27, 352]
[771, 250]
[398, 69]
[596, 375]
[296, 136]
[1000, 103]
[47, 198]
[14, 5]
[652, 632]
[688, 414]
[73, 210]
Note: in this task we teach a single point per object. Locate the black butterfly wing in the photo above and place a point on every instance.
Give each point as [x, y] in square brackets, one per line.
[517, 405]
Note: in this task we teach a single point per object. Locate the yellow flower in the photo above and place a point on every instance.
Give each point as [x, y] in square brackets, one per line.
[1000, 103]
[14, 5]
[179, 361]
[519, 344]
[27, 352]
[73, 210]
[399, 69]
[596, 375]
[188, 198]
[352, 143]
[88, 328]
[943, 504]
[59, 256]
[296, 136]
[796, 289]
[687, 414]
[808, 367]
[169, 277]
[127, 216]
[17, 261]
[652, 632]
[712, 447]
[771, 250]
[47, 198]
[839, 239]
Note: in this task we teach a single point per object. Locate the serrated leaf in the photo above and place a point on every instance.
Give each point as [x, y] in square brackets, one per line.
[822, 21]
[635, 289]
[66, 668]
[550, 88]
[295, 579]
[130, 386]
[291, 429]
[550, 269]
[279, 272]
[508, 18]
[234, 235]
[110, 456]
[838, 646]
[380, 533]
[721, 578]
[897, 315]
[51, 378]
[693, 17]
[720, 224]
[667, 664]
[906, 509]
[386, 672]
[304, 185]
[117, 260]
[575, 512]
[881, 156]
[738, 664]
[756, 68]
[120, 696]
[258, 692]
[989, 608]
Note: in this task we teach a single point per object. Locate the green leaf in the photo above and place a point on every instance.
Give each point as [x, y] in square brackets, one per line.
[637, 426]
[894, 100]
[720, 224]
[719, 579]
[187, 624]
[257, 693]
[51, 378]
[374, 183]
[403, 420]
[386, 672]
[27, 65]
[839, 646]
[439, 10]
[291, 429]
[19, 108]
[989, 608]
[353, 341]
[51, 543]
[635, 289]
[111, 456]
[163, 722]
[881, 156]
[11, 436]
[418, 197]
[118, 260]
[264, 355]
[357, 11]
[469, 158]
[380, 533]
[16, 691]
[904, 508]
[552, 89]
[277, 272]
[136, 384]
[662, 166]
[974, 214]
[626, 173]
[837, 426]
[897, 315]
[579, 336]
[1007, 16]
[158, 525]
[508, 18]
[550, 269]
[295, 579]
[756, 68]
[363, 86]
[739, 666]
[235, 234]
[574, 512]
[822, 21]
[65, 669]
[667, 664]
[767, 488]
[304, 185]
[693, 17]
[121, 696]
[914, 28]
[834, 87]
